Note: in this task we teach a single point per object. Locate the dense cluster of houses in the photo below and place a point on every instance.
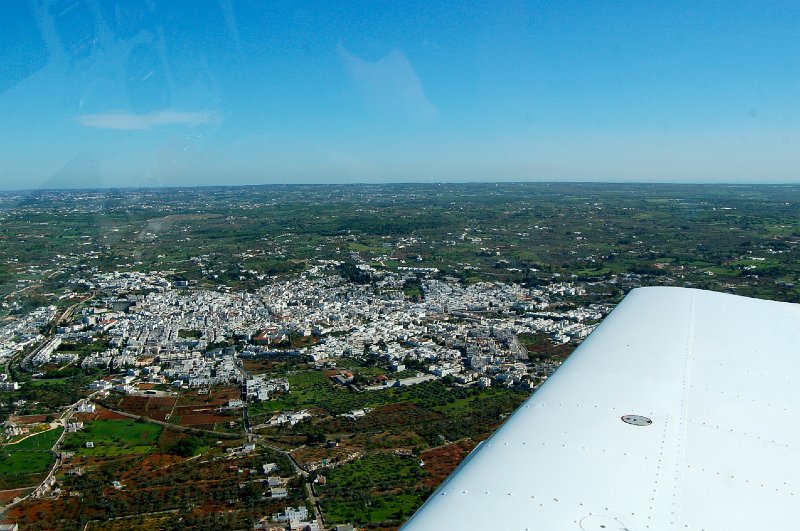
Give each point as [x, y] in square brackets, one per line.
[180, 336]
[18, 334]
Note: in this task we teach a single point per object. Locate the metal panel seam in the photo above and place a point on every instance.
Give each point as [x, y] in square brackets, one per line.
[680, 449]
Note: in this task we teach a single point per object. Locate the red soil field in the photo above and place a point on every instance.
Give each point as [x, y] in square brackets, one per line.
[202, 420]
[158, 414]
[134, 404]
[8, 495]
[440, 462]
[161, 402]
[106, 414]
[100, 413]
[27, 419]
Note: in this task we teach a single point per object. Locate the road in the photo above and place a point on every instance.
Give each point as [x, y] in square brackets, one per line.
[43, 487]
[307, 481]
[167, 511]
[25, 363]
[319, 516]
[68, 312]
[64, 420]
[176, 427]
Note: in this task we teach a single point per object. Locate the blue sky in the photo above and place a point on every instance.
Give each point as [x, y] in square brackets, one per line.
[157, 93]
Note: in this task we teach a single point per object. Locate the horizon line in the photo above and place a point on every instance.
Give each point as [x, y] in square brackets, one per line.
[400, 183]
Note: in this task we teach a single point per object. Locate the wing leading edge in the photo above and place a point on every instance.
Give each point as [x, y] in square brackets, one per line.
[714, 373]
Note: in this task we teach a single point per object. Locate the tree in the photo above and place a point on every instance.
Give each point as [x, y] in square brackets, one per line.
[186, 447]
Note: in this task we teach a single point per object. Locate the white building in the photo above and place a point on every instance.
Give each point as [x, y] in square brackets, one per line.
[291, 515]
[86, 407]
[9, 386]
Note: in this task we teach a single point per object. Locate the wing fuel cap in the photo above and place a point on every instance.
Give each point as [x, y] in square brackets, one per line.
[636, 420]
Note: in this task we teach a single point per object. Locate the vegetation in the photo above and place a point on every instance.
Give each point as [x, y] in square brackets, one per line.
[25, 463]
[540, 347]
[113, 437]
[365, 491]
[187, 447]
[313, 389]
[43, 396]
[706, 236]
[412, 289]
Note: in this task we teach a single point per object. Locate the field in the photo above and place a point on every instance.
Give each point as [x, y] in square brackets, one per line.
[200, 411]
[100, 413]
[203, 416]
[113, 438]
[24, 420]
[382, 488]
[26, 463]
[202, 493]
[593, 231]
[136, 405]
[440, 462]
[159, 408]
[8, 495]
[540, 347]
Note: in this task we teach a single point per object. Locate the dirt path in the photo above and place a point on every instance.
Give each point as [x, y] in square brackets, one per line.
[31, 435]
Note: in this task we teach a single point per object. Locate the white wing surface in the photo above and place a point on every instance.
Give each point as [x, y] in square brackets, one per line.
[718, 377]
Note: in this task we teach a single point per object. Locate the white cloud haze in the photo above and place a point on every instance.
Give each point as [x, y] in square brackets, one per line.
[126, 121]
[389, 82]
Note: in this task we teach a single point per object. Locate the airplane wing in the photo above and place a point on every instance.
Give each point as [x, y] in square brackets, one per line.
[680, 411]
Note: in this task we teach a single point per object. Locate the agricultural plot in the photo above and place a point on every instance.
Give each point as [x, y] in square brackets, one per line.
[27, 462]
[110, 438]
[440, 462]
[100, 413]
[439, 414]
[159, 408]
[190, 409]
[136, 405]
[380, 489]
[164, 491]
[202, 417]
[155, 407]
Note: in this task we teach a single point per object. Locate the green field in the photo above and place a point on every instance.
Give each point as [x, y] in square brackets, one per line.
[313, 389]
[364, 491]
[26, 463]
[113, 437]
